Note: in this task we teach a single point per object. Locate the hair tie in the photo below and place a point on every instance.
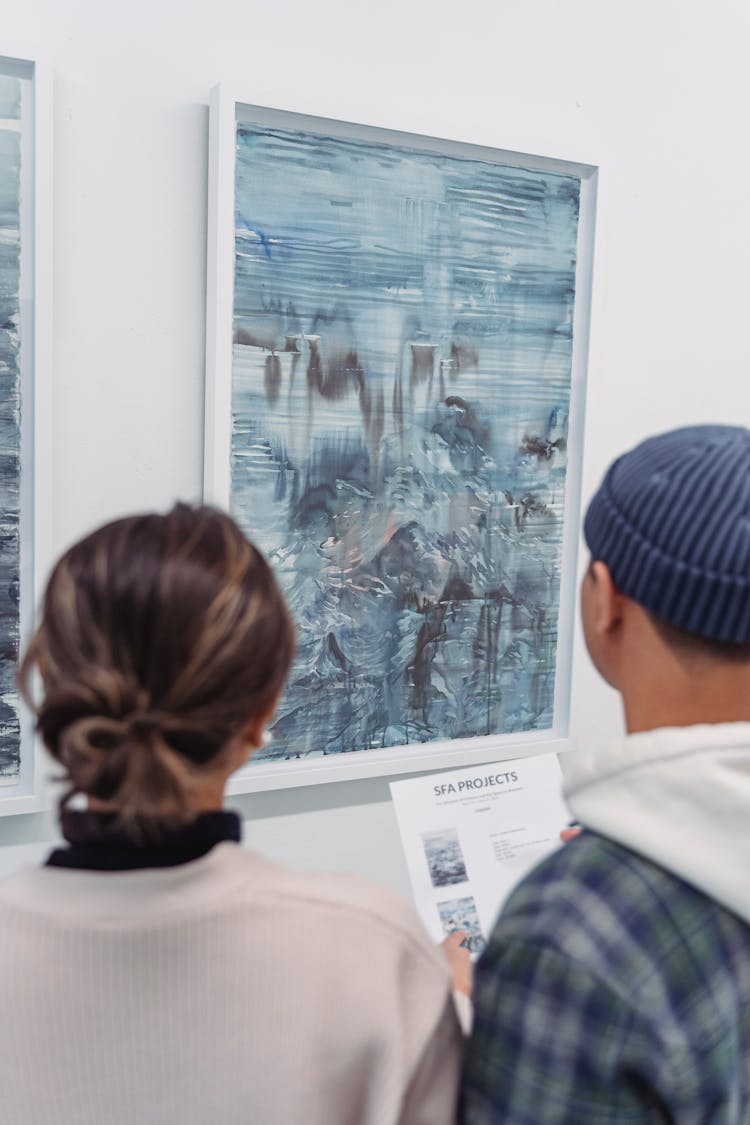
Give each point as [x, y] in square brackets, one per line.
[143, 725]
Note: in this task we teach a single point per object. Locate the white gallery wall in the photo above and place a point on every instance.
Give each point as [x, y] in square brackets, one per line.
[655, 92]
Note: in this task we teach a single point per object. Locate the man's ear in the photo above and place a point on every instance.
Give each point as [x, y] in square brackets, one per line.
[602, 611]
[606, 600]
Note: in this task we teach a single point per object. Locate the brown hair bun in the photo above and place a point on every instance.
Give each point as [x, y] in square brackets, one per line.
[161, 635]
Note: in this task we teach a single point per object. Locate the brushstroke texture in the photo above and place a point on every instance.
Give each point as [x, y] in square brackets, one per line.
[10, 467]
[401, 385]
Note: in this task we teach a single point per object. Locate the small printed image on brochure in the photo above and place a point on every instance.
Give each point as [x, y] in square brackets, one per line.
[461, 914]
[445, 859]
[471, 835]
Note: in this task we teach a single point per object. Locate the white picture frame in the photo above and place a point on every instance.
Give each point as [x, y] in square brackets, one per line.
[226, 110]
[29, 792]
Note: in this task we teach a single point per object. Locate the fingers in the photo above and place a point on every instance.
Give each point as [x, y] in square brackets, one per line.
[459, 961]
[569, 834]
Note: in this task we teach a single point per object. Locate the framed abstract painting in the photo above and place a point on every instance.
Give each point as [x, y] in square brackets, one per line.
[25, 429]
[396, 352]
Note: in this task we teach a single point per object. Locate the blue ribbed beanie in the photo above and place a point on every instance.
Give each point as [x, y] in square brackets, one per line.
[671, 520]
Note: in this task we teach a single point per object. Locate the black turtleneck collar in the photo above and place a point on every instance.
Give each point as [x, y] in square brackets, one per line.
[96, 844]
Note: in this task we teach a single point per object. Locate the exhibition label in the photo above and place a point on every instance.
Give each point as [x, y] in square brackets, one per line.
[471, 835]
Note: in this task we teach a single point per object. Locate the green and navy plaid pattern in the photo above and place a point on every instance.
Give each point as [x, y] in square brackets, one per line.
[610, 992]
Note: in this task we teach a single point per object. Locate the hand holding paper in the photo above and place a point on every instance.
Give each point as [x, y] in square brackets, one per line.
[459, 960]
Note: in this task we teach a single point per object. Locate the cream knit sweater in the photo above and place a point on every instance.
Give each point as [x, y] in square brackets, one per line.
[227, 990]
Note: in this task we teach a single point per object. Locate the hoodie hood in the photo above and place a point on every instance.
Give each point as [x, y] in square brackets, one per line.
[680, 796]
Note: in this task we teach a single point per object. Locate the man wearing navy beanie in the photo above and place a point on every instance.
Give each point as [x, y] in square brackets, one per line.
[615, 987]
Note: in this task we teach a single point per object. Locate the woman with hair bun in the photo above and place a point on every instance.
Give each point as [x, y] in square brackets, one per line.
[156, 972]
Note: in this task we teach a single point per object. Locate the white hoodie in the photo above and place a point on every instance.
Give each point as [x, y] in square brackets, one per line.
[680, 796]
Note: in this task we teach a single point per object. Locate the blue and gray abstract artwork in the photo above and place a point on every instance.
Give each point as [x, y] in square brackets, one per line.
[10, 467]
[403, 328]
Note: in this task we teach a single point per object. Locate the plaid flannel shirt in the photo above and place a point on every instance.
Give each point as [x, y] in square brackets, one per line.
[610, 992]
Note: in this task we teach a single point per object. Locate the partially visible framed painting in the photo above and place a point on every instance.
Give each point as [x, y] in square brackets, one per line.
[396, 353]
[25, 431]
